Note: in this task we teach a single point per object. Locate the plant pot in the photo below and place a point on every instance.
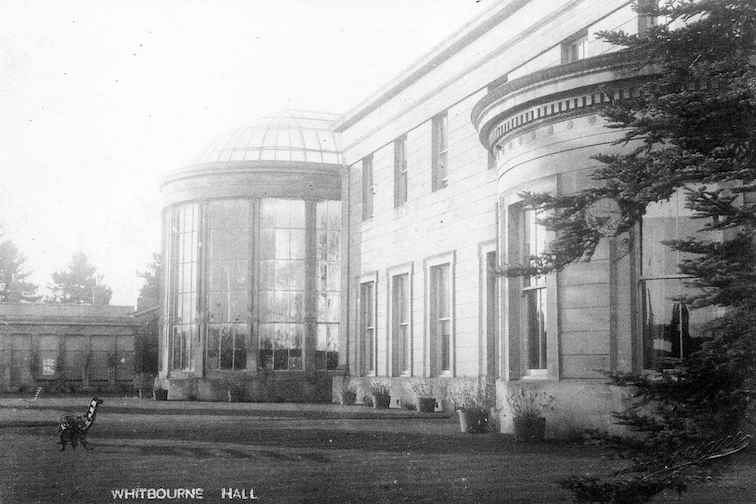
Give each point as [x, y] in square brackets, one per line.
[473, 420]
[426, 404]
[348, 398]
[529, 428]
[160, 394]
[381, 401]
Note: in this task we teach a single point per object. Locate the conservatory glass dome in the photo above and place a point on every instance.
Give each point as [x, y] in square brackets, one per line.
[292, 135]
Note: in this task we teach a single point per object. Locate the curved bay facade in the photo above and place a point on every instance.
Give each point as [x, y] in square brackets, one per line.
[297, 268]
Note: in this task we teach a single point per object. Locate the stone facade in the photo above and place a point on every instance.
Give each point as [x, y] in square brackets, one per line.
[431, 170]
[67, 347]
[519, 87]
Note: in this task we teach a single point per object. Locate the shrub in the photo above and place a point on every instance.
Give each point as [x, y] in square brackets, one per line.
[529, 404]
[348, 395]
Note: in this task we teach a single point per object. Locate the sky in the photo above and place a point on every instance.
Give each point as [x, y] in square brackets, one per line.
[98, 99]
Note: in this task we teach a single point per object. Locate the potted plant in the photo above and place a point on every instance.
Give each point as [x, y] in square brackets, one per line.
[381, 395]
[472, 405]
[425, 401]
[348, 395]
[528, 407]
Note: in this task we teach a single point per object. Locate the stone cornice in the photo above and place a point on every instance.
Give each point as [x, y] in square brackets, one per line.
[69, 321]
[256, 167]
[441, 53]
[612, 60]
[555, 92]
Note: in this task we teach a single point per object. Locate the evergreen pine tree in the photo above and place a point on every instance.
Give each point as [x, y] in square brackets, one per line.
[80, 284]
[692, 128]
[13, 284]
[149, 294]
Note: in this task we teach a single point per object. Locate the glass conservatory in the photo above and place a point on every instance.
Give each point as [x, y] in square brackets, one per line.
[253, 273]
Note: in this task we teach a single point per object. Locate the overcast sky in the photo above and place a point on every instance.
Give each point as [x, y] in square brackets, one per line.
[98, 99]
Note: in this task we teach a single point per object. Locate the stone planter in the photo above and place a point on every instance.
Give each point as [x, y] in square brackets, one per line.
[381, 401]
[426, 404]
[473, 420]
[529, 428]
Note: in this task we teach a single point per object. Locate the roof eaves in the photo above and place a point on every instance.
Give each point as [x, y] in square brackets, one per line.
[435, 57]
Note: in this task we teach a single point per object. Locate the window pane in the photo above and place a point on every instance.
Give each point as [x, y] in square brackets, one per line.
[670, 326]
[328, 278]
[668, 220]
[400, 322]
[533, 243]
[327, 355]
[212, 350]
[182, 267]
[367, 187]
[445, 335]
[440, 316]
[282, 281]
[297, 244]
[442, 290]
[400, 171]
[367, 325]
[405, 348]
[535, 310]
[281, 346]
[402, 299]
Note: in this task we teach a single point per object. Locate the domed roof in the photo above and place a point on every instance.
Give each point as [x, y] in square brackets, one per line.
[293, 135]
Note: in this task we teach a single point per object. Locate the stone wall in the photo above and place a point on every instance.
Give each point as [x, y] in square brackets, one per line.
[456, 220]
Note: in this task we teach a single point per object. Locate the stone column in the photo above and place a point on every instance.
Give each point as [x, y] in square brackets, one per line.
[310, 300]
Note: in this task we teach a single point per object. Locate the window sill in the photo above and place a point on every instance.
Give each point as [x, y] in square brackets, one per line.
[536, 375]
[659, 374]
[228, 371]
[280, 371]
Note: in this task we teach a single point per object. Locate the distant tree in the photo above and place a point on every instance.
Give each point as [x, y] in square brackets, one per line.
[13, 284]
[149, 294]
[80, 284]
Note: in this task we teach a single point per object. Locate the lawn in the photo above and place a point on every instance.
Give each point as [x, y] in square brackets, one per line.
[292, 453]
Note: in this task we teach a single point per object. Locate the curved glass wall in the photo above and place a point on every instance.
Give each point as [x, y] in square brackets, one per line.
[184, 276]
[282, 283]
[229, 226]
[328, 283]
[238, 276]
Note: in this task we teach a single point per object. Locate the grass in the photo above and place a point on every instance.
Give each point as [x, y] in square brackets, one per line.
[288, 454]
